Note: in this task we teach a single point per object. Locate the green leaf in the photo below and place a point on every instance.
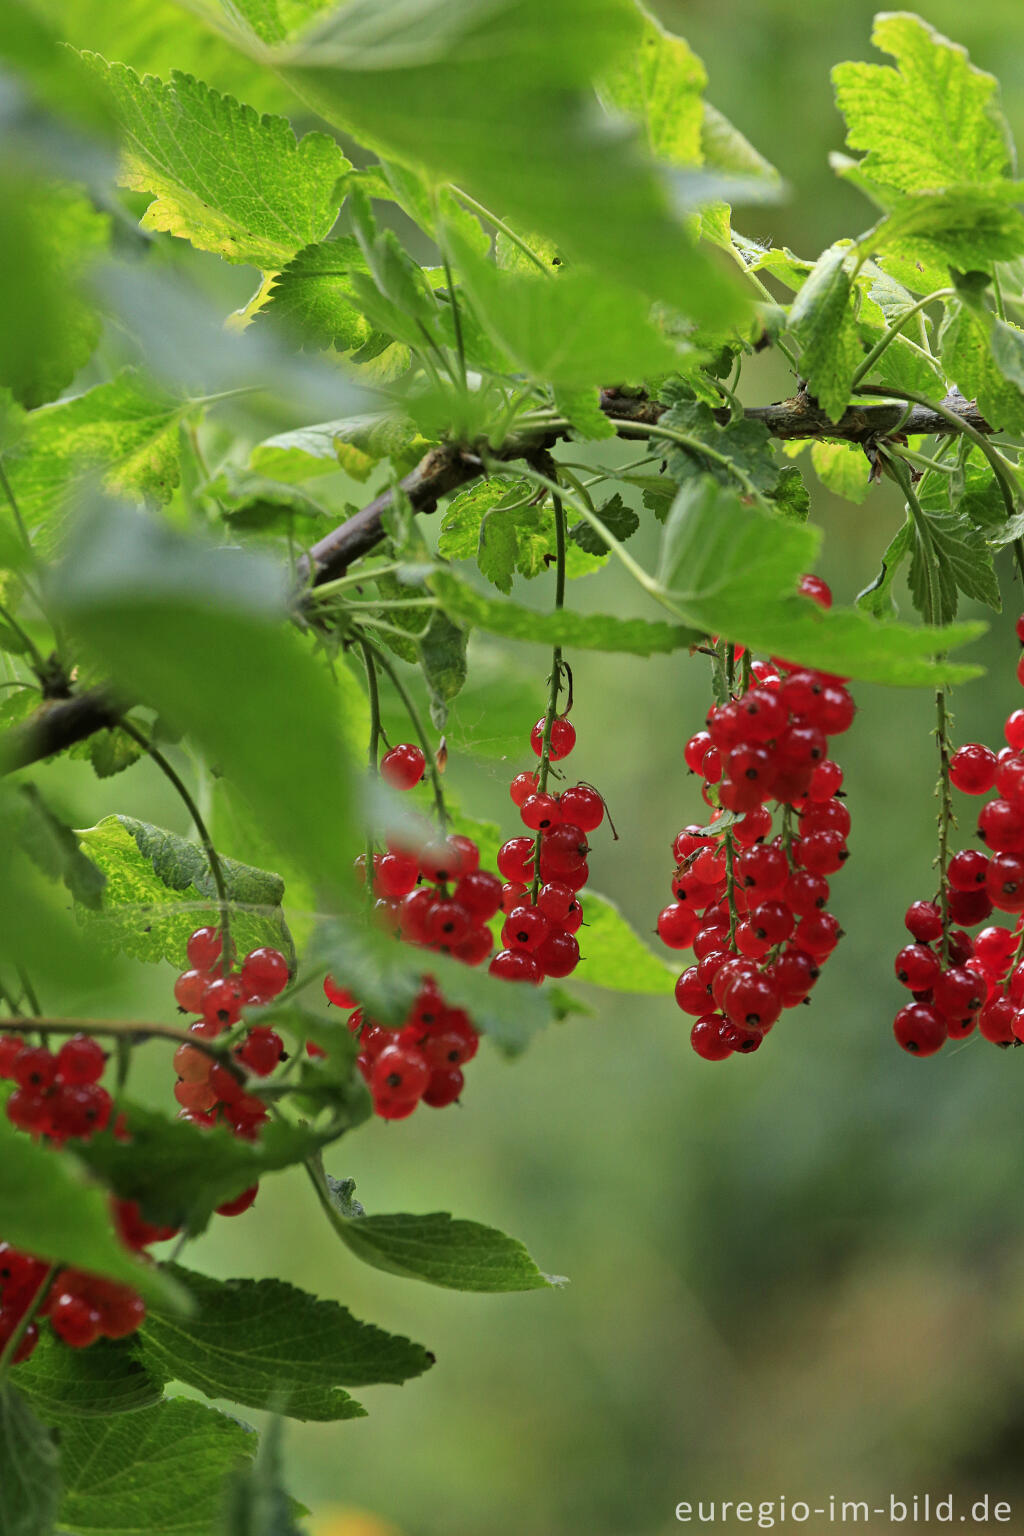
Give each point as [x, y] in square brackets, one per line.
[615, 957]
[498, 549]
[734, 571]
[109, 752]
[659, 83]
[440, 95]
[968, 343]
[877, 599]
[843, 468]
[620, 520]
[129, 583]
[569, 330]
[53, 848]
[582, 408]
[222, 177]
[499, 518]
[158, 888]
[161, 1469]
[313, 297]
[29, 1474]
[968, 227]
[251, 503]
[269, 1345]
[585, 631]
[179, 1173]
[51, 237]
[106, 1378]
[960, 560]
[48, 1209]
[123, 434]
[354, 443]
[442, 657]
[458, 1255]
[791, 495]
[933, 122]
[742, 445]
[821, 322]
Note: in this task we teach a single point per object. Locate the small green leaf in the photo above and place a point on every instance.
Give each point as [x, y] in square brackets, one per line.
[222, 177]
[613, 956]
[734, 570]
[620, 520]
[969, 341]
[29, 1472]
[107, 1378]
[582, 408]
[791, 495]
[161, 1469]
[109, 752]
[159, 888]
[933, 122]
[843, 468]
[877, 599]
[458, 1255]
[821, 321]
[571, 330]
[269, 1345]
[743, 446]
[442, 656]
[313, 297]
[585, 631]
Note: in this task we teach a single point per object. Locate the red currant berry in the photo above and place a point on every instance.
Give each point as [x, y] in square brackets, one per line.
[240, 1203]
[957, 993]
[525, 928]
[80, 1060]
[707, 1038]
[515, 860]
[677, 925]
[262, 1051]
[203, 948]
[339, 996]
[752, 1001]
[264, 973]
[917, 967]
[558, 956]
[920, 1029]
[444, 1087]
[816, 589]
[582, 806]
[516, 965]
[563, 738]
[403, 766]
[540, 813]
[818, 934]
[805, 892]
[924, 920]
[222, 1002]
[522, 786]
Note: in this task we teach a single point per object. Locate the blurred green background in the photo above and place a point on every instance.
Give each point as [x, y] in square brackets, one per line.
[797, 1273]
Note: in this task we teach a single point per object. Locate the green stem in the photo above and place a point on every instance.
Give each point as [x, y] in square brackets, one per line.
[555, 682]
[460, 346]
[695, 446]
[894, 330]
[502, 227]
[372, 751]
[766, 294]
[25, 638]
[355, 579]
[213, 858]
[28, 991]
[417, 725]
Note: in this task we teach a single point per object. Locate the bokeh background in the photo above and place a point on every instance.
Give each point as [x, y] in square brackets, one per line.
[799, 1273]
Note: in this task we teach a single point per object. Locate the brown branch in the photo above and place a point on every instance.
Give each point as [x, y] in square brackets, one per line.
[58, 724]
[62, 723]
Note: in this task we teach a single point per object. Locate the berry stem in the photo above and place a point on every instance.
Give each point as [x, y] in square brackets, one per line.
[417, 725]
[555, 681]
[373, 751]
[212, 856]
[26, 1320]
[945, 817]
[502, 228]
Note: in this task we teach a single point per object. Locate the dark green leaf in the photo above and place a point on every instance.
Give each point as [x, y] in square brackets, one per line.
[312, 297]
[29, 1474]
[163, 1469]
[620, 520]
[955, 558]
[442, 656]
[107, 1378]
[791, 495]
[269, 1345]
[877, 598]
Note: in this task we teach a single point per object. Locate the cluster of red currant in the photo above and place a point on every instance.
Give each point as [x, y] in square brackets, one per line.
[753, 906]
[58, 1095]
[544, 873]
[208, 1091]
[958, 982]
[420, 1061]
[80, 1308]
[434, 896]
